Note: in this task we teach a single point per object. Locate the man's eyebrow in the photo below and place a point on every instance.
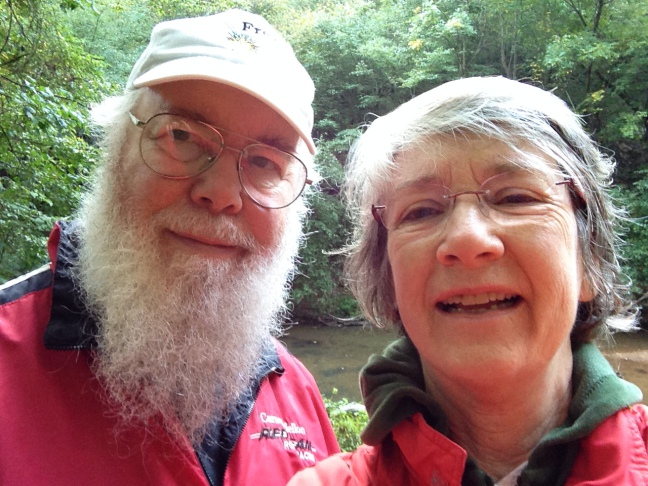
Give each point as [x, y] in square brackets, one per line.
[278, 142]
[271, 140]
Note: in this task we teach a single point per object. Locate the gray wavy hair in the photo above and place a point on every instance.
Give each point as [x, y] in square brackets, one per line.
[511, 112]
[111, 123]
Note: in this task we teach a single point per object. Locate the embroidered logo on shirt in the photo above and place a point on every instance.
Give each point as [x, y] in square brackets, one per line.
[293, 436]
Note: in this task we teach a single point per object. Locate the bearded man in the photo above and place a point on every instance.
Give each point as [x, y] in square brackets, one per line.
[143, 354]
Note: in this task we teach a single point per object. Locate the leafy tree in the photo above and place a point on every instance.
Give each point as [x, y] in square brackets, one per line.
[602, 63]
[365, 57]
[115, 32]
[44, 153]
[319, 293]
[635, 197]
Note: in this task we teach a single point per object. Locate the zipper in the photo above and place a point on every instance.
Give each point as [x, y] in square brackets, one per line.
[274, 369]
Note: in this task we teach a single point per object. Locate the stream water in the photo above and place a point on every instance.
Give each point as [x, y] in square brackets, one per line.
[335, 355]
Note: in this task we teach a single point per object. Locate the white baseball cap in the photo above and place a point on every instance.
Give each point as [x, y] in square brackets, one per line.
[235, 48]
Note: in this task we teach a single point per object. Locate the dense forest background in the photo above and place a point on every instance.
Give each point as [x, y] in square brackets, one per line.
[57, 57]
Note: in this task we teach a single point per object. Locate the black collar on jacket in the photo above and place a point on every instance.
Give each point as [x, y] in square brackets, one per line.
[71, 326]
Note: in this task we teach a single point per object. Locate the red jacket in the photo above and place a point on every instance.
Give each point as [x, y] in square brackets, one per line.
[55, 430]
[614, 454]
[602, 441]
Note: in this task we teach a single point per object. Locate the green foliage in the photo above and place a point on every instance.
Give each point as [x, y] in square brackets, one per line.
[635, 250]
[599, 61]
[168, 9]
[44, 150]
[348, 420]
[115, 32]
[357, 54]
[365, 57]
[318, 290]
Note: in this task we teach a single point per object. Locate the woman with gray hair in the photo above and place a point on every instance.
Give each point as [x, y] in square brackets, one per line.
[485, 232]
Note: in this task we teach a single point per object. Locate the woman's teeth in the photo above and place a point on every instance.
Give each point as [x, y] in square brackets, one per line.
[479, 303]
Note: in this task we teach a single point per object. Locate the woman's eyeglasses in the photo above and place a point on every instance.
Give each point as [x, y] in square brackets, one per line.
[504, 198]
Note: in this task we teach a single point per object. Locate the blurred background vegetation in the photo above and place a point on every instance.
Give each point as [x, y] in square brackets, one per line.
[57, 57]
[347, 418]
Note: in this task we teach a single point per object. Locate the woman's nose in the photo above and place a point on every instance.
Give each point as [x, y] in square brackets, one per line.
[467, 234]
[219, 189]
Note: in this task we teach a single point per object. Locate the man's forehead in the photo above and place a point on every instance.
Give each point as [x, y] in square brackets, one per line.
[150, 100]
[208, 110]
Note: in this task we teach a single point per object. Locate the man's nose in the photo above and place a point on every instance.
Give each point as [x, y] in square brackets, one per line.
[219, 189]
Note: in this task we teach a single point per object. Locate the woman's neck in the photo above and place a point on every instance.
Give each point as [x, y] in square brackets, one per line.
[499, 421]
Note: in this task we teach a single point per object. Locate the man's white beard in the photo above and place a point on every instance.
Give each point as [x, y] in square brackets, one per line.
[180, 335]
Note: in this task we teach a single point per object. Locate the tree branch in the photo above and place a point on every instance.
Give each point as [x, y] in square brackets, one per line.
[576, 10]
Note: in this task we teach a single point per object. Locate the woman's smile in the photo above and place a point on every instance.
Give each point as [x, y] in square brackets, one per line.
[480, 303]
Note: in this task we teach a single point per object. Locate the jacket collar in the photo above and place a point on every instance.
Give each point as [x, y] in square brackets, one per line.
[71, 325]
[393, 390]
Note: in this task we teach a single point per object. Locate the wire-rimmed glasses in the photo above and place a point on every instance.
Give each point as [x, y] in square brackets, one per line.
[179, 147]
[511, 196]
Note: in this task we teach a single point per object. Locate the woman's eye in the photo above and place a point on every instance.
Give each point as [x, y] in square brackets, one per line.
[421, 211]
[515, 197]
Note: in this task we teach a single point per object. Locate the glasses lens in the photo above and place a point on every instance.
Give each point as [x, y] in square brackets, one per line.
[520, 193]
[417, 209]
[510, 198]
[175, 146]
[271, 177]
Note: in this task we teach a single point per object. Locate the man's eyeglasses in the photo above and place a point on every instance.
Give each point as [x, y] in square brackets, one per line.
[505, 198]
[178, 147]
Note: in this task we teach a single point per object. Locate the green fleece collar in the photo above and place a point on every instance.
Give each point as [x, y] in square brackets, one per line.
[393, 389]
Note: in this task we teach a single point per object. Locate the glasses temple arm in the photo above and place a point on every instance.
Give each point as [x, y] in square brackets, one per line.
[137, 122]
[375, 212]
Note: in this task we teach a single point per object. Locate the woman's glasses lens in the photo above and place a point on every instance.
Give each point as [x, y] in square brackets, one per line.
[509, 197]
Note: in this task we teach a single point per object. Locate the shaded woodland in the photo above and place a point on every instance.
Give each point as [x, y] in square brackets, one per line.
[59, 57]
